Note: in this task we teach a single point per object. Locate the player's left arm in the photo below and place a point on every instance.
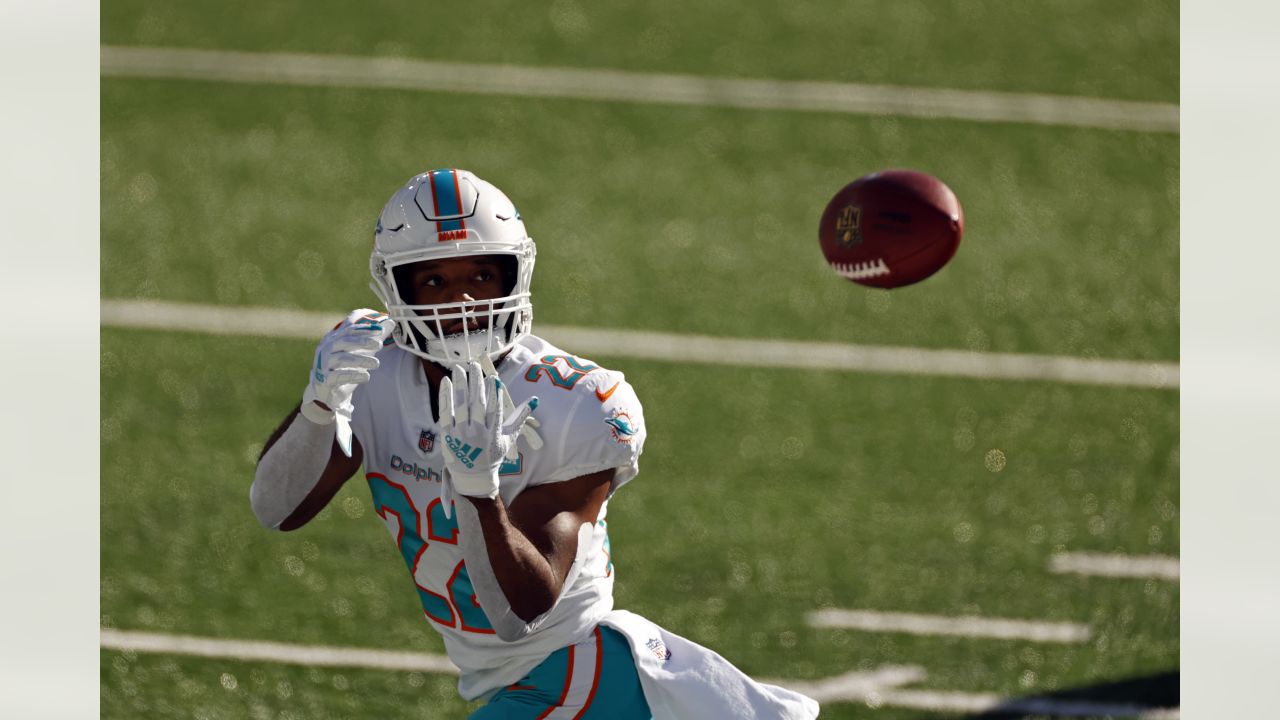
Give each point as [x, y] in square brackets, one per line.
[520, 558]
[532, 545]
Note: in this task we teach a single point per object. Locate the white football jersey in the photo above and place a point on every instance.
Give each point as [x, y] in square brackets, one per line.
[590, 421]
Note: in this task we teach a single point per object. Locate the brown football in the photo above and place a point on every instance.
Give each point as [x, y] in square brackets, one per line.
[891, 228]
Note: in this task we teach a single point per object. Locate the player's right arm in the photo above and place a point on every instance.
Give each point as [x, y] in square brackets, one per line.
[307, 459]
[293, 485]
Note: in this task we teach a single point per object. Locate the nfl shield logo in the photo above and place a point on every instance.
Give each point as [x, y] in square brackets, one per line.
[426, 441]
[659, 648]
[848, 231]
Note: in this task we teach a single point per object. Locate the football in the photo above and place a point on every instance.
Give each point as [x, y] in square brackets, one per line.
[891, 228]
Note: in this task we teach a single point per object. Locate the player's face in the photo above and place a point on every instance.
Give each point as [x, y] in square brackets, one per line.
[453, 280]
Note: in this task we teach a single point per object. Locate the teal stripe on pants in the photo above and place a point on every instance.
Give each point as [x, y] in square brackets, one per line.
[617, 697]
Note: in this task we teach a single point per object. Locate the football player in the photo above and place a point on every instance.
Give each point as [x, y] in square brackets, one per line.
[491, 456]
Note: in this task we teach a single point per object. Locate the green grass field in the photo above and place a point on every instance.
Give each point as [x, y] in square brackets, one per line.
[1071, 47]
[705, 221]
[764, 494]
[836, 506]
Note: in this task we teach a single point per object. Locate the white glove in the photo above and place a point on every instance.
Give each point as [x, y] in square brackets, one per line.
[530, 430]
[344, 359]
[478, 432]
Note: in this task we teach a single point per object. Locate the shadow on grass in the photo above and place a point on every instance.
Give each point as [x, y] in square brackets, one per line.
[1122, 698]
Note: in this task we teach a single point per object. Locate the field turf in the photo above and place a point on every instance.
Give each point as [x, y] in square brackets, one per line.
[764, 494]
[727, 536]
[673, 219]
[1068, 47]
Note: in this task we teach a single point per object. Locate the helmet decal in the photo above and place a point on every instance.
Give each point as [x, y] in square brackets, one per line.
[446, 199]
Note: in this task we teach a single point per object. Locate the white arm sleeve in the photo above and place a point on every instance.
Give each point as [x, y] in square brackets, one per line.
[508, 626]
[290, 470]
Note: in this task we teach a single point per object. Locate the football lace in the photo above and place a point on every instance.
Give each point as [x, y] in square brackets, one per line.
[862, 270]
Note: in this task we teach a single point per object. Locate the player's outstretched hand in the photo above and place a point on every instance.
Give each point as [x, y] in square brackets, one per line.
[478, 432]
[530, 430]
[344, 359]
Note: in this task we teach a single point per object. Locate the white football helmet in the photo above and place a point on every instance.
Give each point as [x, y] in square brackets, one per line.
[444, 214]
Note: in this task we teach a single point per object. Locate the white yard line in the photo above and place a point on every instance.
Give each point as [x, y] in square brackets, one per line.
[856, 685]
[1124, 566]
[876, 687]
[683, 348]
[967, 626]
[636, 87]
[275, 652]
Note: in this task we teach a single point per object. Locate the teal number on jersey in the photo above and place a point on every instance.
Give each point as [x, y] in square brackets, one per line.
[550, 368]
[464, 598]
[390, 497]
[461, 593]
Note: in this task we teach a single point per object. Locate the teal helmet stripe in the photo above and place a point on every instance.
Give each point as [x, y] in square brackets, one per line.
[444, 188]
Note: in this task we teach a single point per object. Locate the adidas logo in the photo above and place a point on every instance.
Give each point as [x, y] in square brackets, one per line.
[466, 454]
